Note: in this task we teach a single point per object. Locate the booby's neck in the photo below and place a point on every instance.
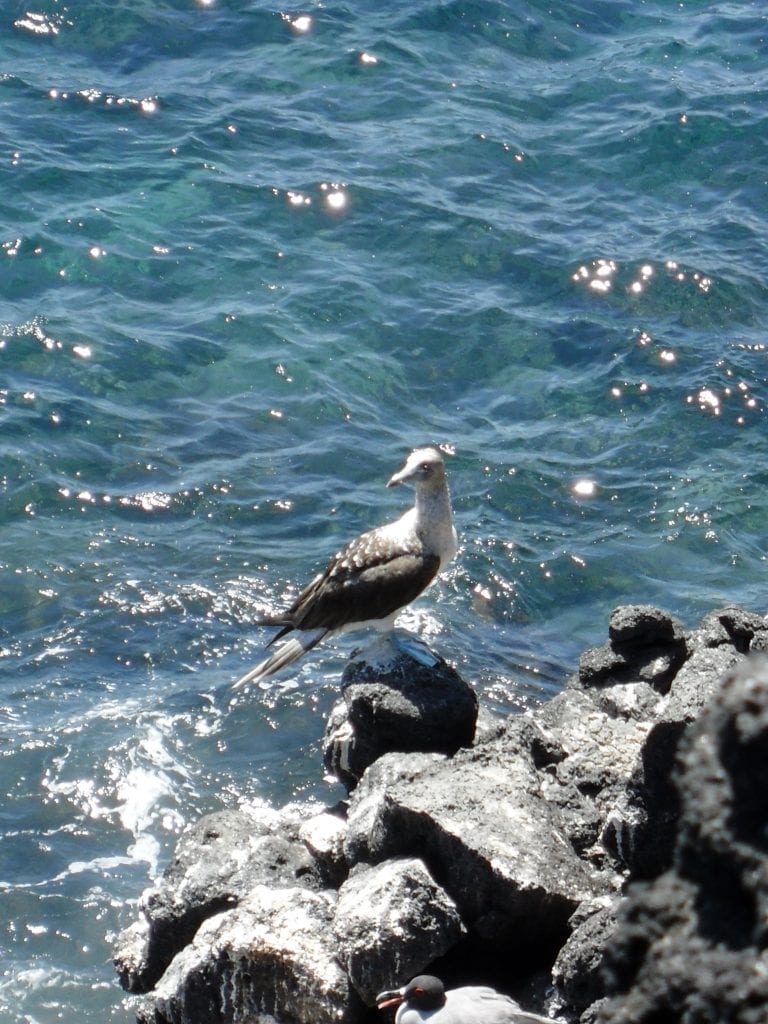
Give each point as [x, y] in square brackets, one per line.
[434, 520]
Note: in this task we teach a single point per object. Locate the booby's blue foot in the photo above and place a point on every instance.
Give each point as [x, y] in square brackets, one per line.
[415, 648]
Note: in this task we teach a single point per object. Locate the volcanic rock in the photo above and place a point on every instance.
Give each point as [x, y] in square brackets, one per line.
[392, 701]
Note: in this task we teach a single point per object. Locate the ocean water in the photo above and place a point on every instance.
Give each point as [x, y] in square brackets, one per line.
[250, 256]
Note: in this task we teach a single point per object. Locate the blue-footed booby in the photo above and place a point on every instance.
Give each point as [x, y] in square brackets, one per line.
[369, 581]
[425, 999]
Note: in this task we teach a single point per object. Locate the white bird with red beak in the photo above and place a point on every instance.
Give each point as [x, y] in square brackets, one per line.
[425, 999]
[376, 575]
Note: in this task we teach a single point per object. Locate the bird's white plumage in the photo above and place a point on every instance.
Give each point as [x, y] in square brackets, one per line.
[481, 1005]
[424, 1000]
[377, 574]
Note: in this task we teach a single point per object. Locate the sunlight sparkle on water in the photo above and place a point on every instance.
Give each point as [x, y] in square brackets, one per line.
[598, 275]
[707, 399]
[584, 488]
[645, 273]
[300, 25]
[41, 24]
[334, 197]
[336, 200]
[732, 397]
[297, 199]
[602, 274]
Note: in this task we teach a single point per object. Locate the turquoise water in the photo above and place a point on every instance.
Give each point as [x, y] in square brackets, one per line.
[250, 256]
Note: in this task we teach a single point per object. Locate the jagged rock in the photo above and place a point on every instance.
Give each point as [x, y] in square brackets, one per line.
[598, 664]
[600, 751]
[691, 945]
[391, 701]
[273, 954]
[645, 645]
[487, 836]
[577, 972]
[696, 681]
[323, 835]
[216, 862]
[132, 958]
[643, 625]
[642, 827]
[366, 839]
[391, 921]
[637, 700]
[746, 631]
[531, 735]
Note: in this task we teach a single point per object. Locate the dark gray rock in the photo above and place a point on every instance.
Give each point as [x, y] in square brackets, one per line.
[323, 835]
[393, 702]
[391, 922]
[599, 664]
[642, 828]
[690, 946]
[599, 752]
[646, 645]
[744, 630]
[367, 839]
[486, 834]
[533, 736]
[638, 700]
[599, 748]
[578, 970]
[642, 625]
[216, 862]
[274, 954]
[696, 681]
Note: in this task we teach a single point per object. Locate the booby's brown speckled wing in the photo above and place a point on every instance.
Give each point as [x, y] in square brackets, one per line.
[371, 578]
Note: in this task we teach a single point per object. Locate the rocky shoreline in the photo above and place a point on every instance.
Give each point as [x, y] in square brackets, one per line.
[604, 859]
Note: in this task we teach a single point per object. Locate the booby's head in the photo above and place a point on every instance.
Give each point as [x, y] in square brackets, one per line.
[426, 992]
[424, 466]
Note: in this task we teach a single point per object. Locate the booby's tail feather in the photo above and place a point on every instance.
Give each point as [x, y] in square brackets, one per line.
[285, 654]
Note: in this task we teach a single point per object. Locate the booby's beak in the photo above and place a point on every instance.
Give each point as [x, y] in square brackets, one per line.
[393, 998]
[405, 474]
[421, 465]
